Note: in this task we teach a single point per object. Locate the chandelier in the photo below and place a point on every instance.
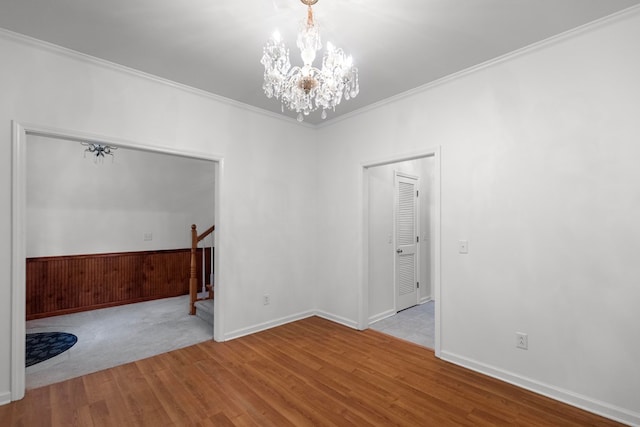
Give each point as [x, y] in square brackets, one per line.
[99, 151]
[307, 88]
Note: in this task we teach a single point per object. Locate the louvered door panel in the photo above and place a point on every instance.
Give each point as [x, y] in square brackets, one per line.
[406, 219]
[406, 274]
[406, 247]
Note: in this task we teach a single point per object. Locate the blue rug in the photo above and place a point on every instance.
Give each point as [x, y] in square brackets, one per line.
[45, 345]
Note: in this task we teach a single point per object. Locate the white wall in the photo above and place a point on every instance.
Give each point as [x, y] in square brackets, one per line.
[539, 172]
[77, 205]
[381, 248]
[267, 202]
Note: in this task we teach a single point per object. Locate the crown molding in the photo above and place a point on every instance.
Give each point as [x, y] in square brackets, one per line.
[50, 47]
[558, 38]
[82, 57]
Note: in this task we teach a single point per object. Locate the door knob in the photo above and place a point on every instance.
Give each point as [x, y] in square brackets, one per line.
[399, 251]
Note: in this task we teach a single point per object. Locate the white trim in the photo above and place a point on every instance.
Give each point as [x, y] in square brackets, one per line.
[558, 38]
[424, 300]
[405, 175]
[41, 44]
[5, 398]
[18, 262]
[381, 316]
[398, 158]
[238, 333]
[574, 399]
[337, 319]
[288, 319]
[363, 290]
[437, 248]
[394, 238]
[389, 313]
[268, 325]
[80, 136]
[83, 57]
[18, 240]
[220, 291]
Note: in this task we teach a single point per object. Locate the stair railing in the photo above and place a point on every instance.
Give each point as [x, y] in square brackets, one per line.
[193, 271]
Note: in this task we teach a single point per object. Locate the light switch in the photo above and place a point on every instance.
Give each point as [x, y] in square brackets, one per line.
[463, 246]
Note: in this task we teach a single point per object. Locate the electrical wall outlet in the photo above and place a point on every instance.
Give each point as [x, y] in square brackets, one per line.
[266, 299]
[522, 340]
[147, 237]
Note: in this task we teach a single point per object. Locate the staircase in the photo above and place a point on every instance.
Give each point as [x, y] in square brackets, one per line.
[200, 304]
[204, 310]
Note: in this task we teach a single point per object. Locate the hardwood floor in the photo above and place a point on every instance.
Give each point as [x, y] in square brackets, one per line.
[310, 372]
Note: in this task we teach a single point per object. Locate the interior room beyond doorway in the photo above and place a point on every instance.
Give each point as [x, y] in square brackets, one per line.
[385, 227]
[128, 209]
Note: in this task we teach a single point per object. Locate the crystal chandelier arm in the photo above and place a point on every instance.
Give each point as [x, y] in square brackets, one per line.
[338, 78]
[275, 59]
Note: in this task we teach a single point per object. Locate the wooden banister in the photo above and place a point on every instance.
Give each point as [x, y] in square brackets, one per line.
[193, 270]
[206, 233]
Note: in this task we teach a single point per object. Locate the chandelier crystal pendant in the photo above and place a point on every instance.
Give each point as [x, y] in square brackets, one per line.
[307, 88]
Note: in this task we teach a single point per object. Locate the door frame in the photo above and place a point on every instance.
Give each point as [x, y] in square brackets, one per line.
[20, 132]
[398, 174]
[363, 296]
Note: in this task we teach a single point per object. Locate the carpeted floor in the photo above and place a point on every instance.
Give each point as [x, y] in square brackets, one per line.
[113, 336]
[415, 324]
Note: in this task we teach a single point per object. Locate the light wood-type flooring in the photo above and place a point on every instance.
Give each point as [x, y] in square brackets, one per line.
[310, 372]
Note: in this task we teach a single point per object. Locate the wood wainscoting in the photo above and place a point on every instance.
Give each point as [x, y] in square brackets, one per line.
[72, 283]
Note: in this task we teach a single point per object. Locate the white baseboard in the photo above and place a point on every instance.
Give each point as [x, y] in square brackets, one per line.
[424, 299]
[288, 319]
[574, 399]
[338, 319]
[380, 316]
[5, 397]
[267, 325]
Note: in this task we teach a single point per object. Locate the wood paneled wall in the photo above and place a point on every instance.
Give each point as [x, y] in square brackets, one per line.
[69, 284]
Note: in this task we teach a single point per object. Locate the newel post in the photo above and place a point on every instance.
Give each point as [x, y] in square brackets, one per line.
[193, 278]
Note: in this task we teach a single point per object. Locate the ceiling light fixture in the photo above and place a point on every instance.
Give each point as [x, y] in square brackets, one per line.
[307, 88]
[99, 151]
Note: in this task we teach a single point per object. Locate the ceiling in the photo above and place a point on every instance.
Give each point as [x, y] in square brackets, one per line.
[216, 45]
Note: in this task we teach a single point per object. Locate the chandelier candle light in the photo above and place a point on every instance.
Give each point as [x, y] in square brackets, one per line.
[307, 88]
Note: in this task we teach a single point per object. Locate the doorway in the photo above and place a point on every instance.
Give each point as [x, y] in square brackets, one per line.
[380, 297]
[24, 135]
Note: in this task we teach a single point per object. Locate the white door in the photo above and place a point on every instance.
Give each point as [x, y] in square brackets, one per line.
[406, 256]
